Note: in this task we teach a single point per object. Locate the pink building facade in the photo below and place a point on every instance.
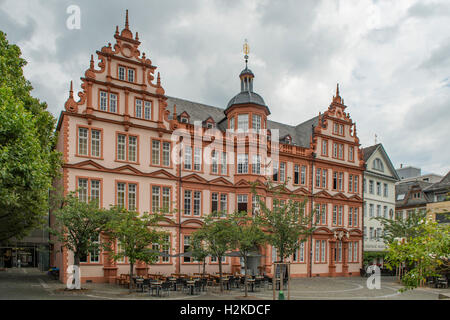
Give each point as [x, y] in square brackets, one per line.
[120, 144]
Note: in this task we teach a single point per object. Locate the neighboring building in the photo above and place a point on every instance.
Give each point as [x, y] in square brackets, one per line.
[379, 195]
[438, 194]
[410, 197]
[415, 174]
[120, 146]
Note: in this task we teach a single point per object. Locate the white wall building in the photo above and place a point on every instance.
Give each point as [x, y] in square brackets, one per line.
[379, 195]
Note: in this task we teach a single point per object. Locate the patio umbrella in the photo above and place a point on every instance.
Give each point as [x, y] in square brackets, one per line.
[239, 254]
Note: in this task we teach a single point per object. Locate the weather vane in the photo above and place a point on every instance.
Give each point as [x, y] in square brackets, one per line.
[246, 52]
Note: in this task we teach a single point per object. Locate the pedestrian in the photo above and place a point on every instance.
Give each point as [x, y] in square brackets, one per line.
[19, 263]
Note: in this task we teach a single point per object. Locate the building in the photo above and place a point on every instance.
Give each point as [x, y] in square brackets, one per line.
[379, 195]
[438, 194]
[412, 174]
[121, 144]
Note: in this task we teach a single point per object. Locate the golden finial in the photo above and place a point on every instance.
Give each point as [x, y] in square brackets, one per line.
[246, 52]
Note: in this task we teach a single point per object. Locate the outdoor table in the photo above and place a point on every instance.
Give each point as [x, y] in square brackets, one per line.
[191, 284]
[140, 283]
[156, 284]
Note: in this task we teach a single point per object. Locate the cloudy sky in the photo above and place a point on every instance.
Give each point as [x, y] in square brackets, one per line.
[391, 59]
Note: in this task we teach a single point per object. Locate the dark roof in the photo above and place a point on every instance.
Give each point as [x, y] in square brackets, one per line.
[443, 185]
[367, 152]
[247, 71]
[406, 187]
[301, 134]
[246, 97]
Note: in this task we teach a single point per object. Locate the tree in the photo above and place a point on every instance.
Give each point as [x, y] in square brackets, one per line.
[28, 160]
[216, 234]
[135, 234]
[199, 251]
[247, 237]
[426, 254]
[78, 225]
[408, 228]
[286, 224]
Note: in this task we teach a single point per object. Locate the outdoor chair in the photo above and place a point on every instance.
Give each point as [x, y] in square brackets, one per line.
[204, 283]
[442, 282]
[165, 287]
[180, 283]
[197, 286]
[145, 285]
[257, 285]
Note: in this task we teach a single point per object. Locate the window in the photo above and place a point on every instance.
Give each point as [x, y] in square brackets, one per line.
[187, 158]
[103, 101]
[335, 128]
[83, 190]
[184, 120]
[355, 188]
[318, 177]
[121, 73]
[324, 147]
[164, 248]
[232, 123]
[378, 165]
[317, 251]
[355, 251]
[148, 110]
[341, 181]
[120, 251]
[350, 251]
[355, 218]
[371, 208]
[350, 153]
[223, 204]
[256, 121]
[378, 210]
[192, 203]
[113, 102]
[126, 191]
[379, 188]
[341, 151]
[197, 159]
[323, 215]
[256, 165]
[303, 175]
[160, 199]
[299, 254]
[156, 153]
[350, 183]
[364, 185]
[339, 245]
[127, 148]
[371, 186]
[138, 109]
[275, 171]
[323, 251]
[255, 205]
[335, 180]
[94, 254]
[197, 203]
[131, 75]
[242, 163]
[166, 154]
[341, 214]
[335, 150]
[186, 247]
[324, 178]
[385, 190]
[334, 215]
[89, 142]
[350, 217]
[341, 129]
[83, 141]
[296, 174]
[242, 200]
[282, 171]
[243, 122]
[385, 212]
[216, 166]
[95, 191]
[371, 235]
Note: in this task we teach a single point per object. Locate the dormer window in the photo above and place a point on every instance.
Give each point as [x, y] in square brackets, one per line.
[184, 120]
[209, 125]
[288, 140]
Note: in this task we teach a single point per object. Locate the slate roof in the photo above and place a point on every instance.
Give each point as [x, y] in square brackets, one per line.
[444, 184]
[367, 152]
[406, 187]
[301, 134]
[247, 97]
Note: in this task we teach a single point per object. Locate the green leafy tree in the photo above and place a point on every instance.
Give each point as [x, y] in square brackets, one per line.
[199, 251]
[28, 161]
[135, 233]
[216, 235]
[286, 224]
[77, 226]
[426, 254]
[410, 227]
[247, 237]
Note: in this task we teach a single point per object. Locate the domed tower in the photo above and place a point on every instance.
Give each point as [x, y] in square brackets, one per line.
[247, 109]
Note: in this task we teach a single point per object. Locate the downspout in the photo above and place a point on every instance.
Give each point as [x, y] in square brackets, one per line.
[362, 218]
[178, 269]
[312, 207]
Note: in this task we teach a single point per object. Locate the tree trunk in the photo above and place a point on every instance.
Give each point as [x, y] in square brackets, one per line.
[245, 275]
[131, 277]
[204, 267]
[220, 273]
[77, 271]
